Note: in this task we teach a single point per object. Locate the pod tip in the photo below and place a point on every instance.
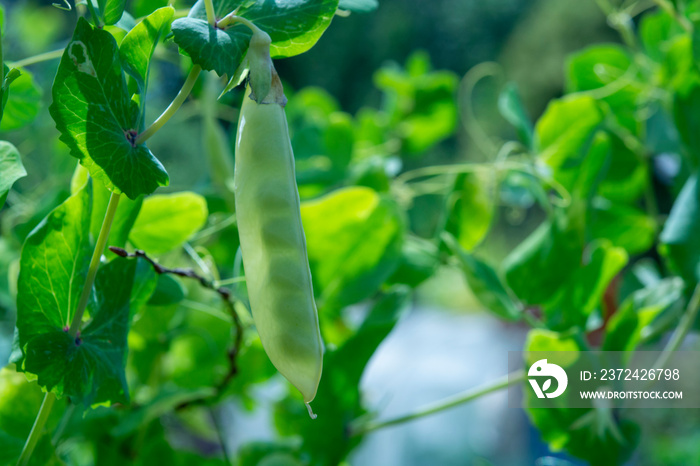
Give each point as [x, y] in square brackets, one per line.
[311, 412]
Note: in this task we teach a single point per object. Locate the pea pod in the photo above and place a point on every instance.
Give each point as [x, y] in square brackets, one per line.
[273, 243]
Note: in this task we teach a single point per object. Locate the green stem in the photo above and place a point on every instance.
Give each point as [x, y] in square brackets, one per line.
[94, 264]
[447, 403]
[686, 323]
[173, 107]
[46, 56]
[233, 19]
[211, 16]
[37, 429]
[94, 15]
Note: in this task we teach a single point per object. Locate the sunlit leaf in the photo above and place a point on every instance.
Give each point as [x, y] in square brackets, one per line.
[111, 10]
[11, 169]
[293, 25]
[166, 221]
[354, 241]
[23, 102]
[97, 118]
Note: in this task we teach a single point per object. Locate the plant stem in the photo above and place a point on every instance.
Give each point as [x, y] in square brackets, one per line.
[94, 264]
[442, 405]
[50, 398]
[233, 19]
[37, 429]
[94, 15]
[686, 323]
[211, 16]
[173, 107]
[46, 56]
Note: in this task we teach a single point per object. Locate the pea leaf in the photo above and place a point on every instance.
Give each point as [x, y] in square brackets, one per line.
[511, 107]
[594, 434]
[607, 65]
[11, 169]
[21, 100]
[543, 262]
[358, 6]
[584, 289]
[136, 49]
[97, 119]
[627, 326]
[473, 207]
[168, 291]
[624, 226]
[419, 260]
[420, 102]
[111, 10]
[9, 75]
[655, 30]
[354, 243]
[485, 283]
[90, 368]
[293, 25]
[166, 221]
[680, 240]
[685, 104]
[564, 133]
[53, 266]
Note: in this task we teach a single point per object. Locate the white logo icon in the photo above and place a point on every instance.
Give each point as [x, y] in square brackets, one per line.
[542, 369]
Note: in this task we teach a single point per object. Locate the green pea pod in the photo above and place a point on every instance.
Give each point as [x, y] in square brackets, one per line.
[273, 243]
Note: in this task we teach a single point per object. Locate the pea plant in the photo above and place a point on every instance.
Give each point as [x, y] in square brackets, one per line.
[138, 316]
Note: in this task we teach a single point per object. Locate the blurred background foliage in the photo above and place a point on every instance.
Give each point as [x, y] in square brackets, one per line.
[413, 84]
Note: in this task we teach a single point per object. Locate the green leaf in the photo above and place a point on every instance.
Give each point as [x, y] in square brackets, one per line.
[594, 434]
[9, 76]
[53, 267]
[90, 367]
[212, 48]
[136, 50]
[627, 173]
[168, 291]
[22, 103]
[511, 107]
[11, 169]
[420, 102]
[685, 105]
[293, 25]
[624, 226]
[358, 6]
[607, 66]
[583, 292]
[680, 240]
[354, 239]
[473, 207]
[629, 324]
[564, 133]
[655, 30]
[485, 283]
[166, 221]
[96, 117]
[419, 260]
[543, 262]
[111, 10]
